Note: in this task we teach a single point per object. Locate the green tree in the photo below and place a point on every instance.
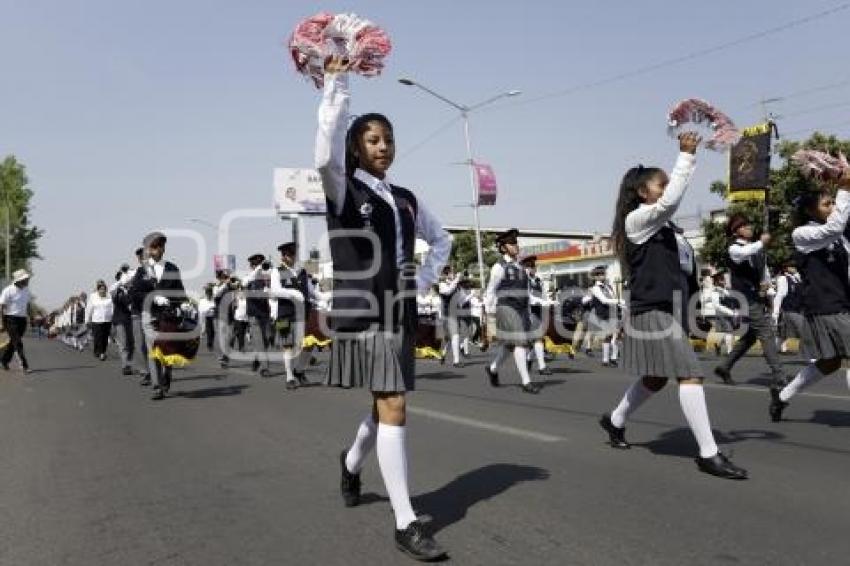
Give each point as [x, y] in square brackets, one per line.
[465, 256]
[786, 183]
[16, 195]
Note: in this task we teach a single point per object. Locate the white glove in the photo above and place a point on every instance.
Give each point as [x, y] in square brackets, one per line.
[160, 301]
[186, 307]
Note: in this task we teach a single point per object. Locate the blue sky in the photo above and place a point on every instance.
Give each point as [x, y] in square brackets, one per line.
[131, 115]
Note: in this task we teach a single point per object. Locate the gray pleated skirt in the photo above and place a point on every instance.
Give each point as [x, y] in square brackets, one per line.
[792, 325]
[381, 361]
[513, 327]
[827, 336]
[455, 325]
[656, 345]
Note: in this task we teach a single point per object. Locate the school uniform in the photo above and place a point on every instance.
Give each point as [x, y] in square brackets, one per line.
[206, 312]
[223, 304]
[787, 306]
[152, 280]
[662, 278]
[603, 309]
[825, 270]
[259, 317]
[291, 288]
[508, 291]
[122, 323]
[748, 270]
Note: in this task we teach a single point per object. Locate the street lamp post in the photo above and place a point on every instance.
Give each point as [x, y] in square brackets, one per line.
[464, 112]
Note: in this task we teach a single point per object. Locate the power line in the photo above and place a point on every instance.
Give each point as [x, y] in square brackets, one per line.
[805, 92]
[815, 109]
[681, 59]
[814, 128]
[429, 137]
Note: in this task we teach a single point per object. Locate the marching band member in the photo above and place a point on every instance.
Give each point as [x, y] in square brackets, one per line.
[507, 295]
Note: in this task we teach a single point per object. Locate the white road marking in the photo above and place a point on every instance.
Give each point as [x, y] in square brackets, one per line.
[484, 425]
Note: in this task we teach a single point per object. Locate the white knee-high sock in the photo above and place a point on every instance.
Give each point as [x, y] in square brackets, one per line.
[729, 341]
[606, 352]
[807, 376]
[287, 364]
[364, 442]
[465, 346]
[634, 398]
[392, 459]
[520, 354]
[692, 399]
[501, 355]
[456, 348]
[615, 349]
[540, 354]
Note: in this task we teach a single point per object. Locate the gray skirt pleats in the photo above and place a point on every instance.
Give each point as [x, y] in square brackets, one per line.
[379, 360]
[655, 345]
[513, 327]
[827, 336]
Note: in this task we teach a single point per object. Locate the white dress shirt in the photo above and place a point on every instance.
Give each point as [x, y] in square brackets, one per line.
[742, 250]
[98, 309]
[815, 236]
[330, 163]
[15, 299]
[206, 307]
[604, 293]
[782, 288]
[157, 268]
[497, 273]
[643, 222]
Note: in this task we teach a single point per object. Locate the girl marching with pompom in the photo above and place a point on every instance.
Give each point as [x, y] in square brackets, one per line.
[372, 227]
[656, 345]
[822, 238]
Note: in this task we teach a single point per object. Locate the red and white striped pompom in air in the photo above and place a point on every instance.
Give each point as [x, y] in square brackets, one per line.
[319, 37]
[820, 165]
[694, 114]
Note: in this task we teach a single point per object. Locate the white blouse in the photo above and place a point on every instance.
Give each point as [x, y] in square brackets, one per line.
[98, 309]
[330, 163]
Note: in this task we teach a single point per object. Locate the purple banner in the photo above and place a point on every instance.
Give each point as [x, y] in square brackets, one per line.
[487, 188]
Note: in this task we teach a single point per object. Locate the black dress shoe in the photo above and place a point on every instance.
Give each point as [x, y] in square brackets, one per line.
[779, 380]
[457, 365]
[127, 371]
[157, 394]
[777, 405]
[414, 542]
[588, 353]
[532, 388]
[492, 375]
[291, 385]
[724, 374]
[146, 380]
[301, 377]
[720, 466]
[616, 435]
[545, 371]
[349, 485]
[572, 355]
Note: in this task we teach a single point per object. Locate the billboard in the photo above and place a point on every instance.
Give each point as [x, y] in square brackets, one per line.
[298, 191]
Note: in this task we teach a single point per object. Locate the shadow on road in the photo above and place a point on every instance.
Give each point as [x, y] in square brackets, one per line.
[831, 418]
[450, 503]
[439, 376]
[212, 392]
[213, 376]
[680, 441]
[70, 368]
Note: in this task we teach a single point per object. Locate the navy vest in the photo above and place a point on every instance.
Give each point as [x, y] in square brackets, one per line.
[286, 308]
[655, 274]
[600, 309]
[256, 304]
[513, 289]
[746, 276]
[826, 289]
[363, 249]
[535, 287]
[793, 301]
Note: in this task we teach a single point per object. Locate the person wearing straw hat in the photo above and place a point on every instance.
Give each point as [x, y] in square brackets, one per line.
[14, 305]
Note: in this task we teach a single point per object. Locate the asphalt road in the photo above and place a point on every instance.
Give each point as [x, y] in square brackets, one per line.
[232, 470]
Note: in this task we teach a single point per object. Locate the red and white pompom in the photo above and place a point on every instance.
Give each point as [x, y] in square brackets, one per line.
[317, 38]
[821, 165]
[695, 114]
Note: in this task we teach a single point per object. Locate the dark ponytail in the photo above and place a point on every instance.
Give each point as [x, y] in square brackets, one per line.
[355, 130]
[628, 200]
[805, 201]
